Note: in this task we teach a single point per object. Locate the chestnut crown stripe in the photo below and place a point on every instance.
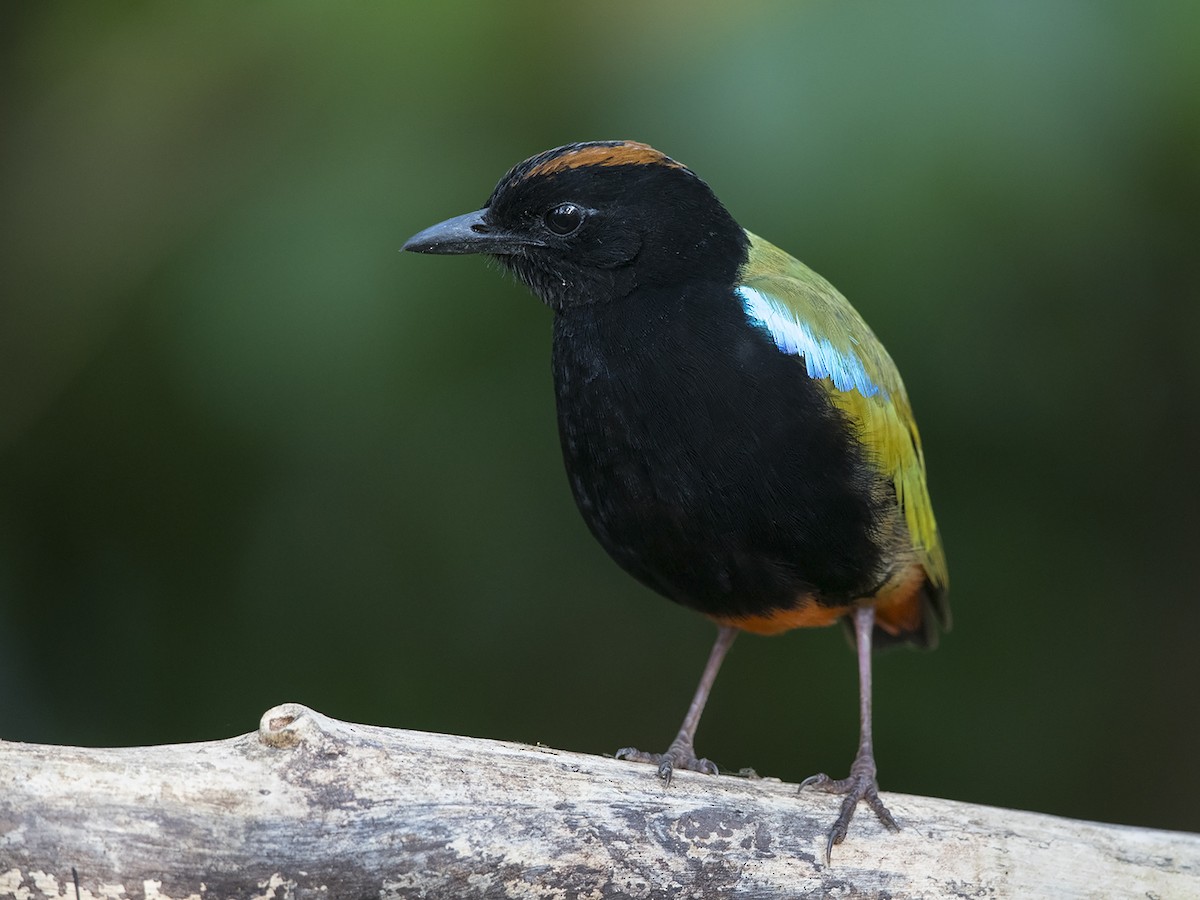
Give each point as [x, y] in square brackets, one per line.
[626, 153]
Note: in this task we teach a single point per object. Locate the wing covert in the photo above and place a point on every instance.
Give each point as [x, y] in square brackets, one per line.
[807, 317]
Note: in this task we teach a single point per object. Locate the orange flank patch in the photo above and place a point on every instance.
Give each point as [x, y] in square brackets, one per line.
[809, 614]
[898, 605]
[898, 610]
[627, 153]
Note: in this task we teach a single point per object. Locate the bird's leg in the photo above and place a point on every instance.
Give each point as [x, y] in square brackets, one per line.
[861, 785]
[682, 752]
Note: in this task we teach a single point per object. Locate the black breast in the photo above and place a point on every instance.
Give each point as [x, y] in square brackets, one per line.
[705, 461]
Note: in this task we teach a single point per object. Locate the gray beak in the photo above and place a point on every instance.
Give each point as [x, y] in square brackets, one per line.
[468, 234]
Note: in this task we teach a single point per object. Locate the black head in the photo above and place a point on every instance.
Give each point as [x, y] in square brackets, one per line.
[592, 222]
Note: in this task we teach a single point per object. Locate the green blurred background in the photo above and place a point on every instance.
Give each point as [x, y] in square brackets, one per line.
[250, 453]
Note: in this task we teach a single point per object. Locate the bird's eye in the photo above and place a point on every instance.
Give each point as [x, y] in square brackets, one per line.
[564, 218]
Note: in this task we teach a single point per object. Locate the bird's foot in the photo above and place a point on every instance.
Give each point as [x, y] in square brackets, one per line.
[861, 785]
[680, 755]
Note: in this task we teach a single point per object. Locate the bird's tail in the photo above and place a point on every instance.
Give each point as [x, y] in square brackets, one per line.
[911, 610]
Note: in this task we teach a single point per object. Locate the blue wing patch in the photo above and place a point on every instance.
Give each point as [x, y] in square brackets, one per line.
[791, 336]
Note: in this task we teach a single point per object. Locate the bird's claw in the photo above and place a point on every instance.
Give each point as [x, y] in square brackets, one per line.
[861, 785]
[677, 757]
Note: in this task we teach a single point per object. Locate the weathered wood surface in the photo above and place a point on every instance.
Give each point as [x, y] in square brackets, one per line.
[312, 807]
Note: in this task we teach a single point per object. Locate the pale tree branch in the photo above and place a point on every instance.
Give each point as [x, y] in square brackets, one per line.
[310, 807]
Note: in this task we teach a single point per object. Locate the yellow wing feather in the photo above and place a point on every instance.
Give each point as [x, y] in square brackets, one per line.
[806, 312]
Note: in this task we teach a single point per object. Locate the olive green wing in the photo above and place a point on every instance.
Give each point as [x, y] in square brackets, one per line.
[807, 317]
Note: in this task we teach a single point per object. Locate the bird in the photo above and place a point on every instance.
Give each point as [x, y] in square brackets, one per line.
[734, 434]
